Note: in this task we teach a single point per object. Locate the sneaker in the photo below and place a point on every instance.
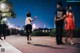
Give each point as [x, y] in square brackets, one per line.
[28, 42]
[71, 43]
[62, 43]
[58, 43]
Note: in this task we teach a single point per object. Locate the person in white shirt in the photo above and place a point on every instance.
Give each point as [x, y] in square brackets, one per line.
[28, 26]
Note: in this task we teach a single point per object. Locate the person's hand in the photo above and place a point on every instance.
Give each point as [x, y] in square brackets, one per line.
[58, 19]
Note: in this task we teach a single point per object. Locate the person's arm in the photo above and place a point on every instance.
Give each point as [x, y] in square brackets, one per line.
[60, 18]
[64, 12]
[6, 27]
[74, 20]
[65, 21]
[30, 19]
[33, 19]
[63, 17]
[56, 19]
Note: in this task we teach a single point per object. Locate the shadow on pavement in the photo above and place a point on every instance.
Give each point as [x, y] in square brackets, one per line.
[41, 45]
[77, 45]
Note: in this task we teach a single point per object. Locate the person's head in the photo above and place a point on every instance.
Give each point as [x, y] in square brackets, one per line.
[59, 5]
[28, 14]
[68, 7]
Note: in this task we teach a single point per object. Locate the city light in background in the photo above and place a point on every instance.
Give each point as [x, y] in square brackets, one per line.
[4, 7]
[10, 25]
[4, 19]
[13, 26]
[44, 25]
[34, 26]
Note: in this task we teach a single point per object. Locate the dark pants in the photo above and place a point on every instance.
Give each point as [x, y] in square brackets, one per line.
[59, 31]
[3, 30]
[28, 30]
[0, 30]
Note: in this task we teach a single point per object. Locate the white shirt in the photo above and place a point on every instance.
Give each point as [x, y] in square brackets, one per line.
[28, 20]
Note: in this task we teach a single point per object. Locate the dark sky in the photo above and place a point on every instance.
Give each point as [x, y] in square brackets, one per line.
[43, 9]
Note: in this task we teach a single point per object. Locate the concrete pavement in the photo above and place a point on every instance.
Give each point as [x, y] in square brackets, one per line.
[42, 44]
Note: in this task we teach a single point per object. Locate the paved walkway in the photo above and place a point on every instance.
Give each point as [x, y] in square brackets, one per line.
[42, 44]
[8, 48]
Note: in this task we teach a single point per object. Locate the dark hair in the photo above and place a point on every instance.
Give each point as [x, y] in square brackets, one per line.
[28, 14]
[59, 3]
[68, 6]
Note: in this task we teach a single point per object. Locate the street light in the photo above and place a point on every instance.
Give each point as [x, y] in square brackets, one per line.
[4, 7]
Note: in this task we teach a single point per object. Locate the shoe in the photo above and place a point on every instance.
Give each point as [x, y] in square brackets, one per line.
[71, 43]
[1, 39]
[58, 43]
[28, 42]
[62, 43]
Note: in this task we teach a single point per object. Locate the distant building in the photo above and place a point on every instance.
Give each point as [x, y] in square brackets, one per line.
[43, 30]
[44, 25]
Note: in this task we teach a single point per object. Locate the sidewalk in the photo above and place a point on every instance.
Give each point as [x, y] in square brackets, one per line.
[7, 48]
[42, 44]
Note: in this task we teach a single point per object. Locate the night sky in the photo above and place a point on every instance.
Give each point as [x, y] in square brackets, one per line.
[43, 9]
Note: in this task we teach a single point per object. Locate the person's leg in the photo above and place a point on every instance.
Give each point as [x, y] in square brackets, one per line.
[57, 34]
[1, 38]
[61, 33]
[1, 32]
[30, 32]
[4, 33]
[71, 36]
[0, 35]
[27, 32]
[67, 36]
